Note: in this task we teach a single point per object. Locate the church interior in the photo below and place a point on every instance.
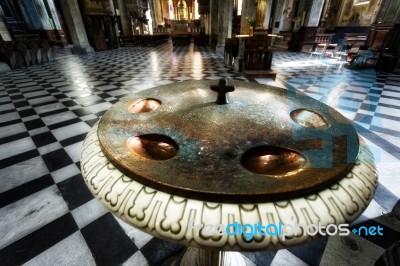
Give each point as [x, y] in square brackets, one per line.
[64, 63]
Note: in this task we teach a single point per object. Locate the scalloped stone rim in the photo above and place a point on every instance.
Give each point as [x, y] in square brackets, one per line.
[167, 216]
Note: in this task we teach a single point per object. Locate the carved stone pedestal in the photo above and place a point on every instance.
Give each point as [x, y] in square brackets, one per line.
[174, 162]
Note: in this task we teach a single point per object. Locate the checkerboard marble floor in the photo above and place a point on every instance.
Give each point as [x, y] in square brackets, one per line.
[48, 216]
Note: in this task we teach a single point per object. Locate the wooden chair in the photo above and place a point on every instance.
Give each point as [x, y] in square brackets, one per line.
[372, 60]
[363, 52]
[319, 50]
[330, 50]
[342, 53]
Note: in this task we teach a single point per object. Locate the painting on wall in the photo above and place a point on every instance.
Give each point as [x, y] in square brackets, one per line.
[97, 7]
[260, 13]
[89, 4]
[358, 13]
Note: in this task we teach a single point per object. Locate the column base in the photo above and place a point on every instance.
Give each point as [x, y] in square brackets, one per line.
[4, 67]
[238, 64]
[82, 49]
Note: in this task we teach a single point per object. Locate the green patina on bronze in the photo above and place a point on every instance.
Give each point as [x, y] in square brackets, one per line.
[266, 144]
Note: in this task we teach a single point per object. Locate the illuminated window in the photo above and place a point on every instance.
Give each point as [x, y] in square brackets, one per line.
[171, 9]
[239, 8]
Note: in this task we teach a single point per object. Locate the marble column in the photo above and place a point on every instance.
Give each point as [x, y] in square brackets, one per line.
[267, 14]
[315, 13]
[277, 16]
[325, 11]
[5, 34]
[214, 17]
[77, 31]
[157, 13]
[125, 18]
[248, 11]
[225, 12]
[114, 26]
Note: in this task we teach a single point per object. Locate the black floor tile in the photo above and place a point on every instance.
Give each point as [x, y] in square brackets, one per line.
[104, 95]
[21, 104]
[25, 190]
[158, 251]
[107, 241]
[33, 124]
[18, 158]
[43, 139]
[74, 191]
[64, 123]
[375, 91]
[14, 137]
[50, 90]
[27, 112]
[73, 140]
[310, 253]
[60, 96]
[33, 244]
[54, 112]
[17, 97]
[91, 122]
[57, 159]
[368, 107]
[11, 122]
[69, 103]
[7, 111]
[12, 91]
[81, 112]
[367, 119]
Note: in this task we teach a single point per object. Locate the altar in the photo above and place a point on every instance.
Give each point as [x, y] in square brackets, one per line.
[257, 57]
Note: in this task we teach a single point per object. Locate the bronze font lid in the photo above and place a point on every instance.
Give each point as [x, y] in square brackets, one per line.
[266, 144]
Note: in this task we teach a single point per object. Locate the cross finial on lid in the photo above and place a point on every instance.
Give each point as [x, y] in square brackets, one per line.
[222, 88]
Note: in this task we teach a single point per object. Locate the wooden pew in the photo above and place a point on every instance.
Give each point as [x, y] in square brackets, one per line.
[258, 57]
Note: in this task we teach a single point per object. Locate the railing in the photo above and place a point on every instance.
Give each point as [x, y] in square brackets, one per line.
[143, 39]
[323, 38]
[26, 52]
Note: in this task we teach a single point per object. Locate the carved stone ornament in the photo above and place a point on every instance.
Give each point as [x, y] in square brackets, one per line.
[169, 159]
